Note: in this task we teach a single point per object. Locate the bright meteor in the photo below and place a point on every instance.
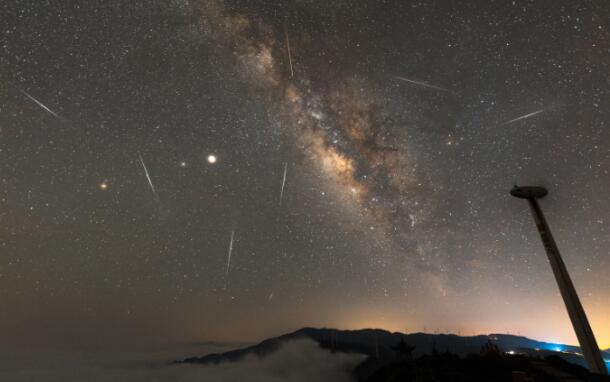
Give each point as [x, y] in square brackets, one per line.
[524, 116]
[420, 83]
[283, 182]
[289, 53]
[152, 187]
[229, 257]
[40, 104]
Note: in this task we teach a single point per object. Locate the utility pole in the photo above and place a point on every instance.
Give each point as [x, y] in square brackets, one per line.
[585, 336]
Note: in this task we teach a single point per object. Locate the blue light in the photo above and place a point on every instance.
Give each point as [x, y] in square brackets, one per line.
[553, 347]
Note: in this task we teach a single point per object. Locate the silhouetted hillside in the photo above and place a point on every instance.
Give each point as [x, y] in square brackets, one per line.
[447, 367]
[436, 357]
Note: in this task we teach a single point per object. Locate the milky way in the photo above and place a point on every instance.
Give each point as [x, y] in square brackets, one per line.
[339, 126]
[320, 163]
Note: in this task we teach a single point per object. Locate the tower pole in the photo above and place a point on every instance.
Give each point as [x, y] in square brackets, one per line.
[577, 315]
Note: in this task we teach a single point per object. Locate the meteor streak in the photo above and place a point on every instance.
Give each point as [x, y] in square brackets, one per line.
[420, 83]
[289, 52]
[147, 174]
[40, 104]
[229, 257]
[524, 116]
[283, 182]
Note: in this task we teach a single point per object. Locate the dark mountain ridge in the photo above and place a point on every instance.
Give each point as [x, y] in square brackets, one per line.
[378, 343]
[437, 357]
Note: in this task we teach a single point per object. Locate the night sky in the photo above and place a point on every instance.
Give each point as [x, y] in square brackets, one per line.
[231, 170]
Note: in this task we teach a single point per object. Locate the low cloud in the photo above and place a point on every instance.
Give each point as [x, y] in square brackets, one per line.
[295, 361]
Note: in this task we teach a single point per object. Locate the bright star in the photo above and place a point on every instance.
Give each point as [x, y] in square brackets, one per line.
[212, 159]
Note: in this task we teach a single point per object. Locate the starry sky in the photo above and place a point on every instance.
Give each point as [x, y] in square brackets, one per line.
[226, 170]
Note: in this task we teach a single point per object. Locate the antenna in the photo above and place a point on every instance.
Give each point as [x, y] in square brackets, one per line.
[585, 336]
